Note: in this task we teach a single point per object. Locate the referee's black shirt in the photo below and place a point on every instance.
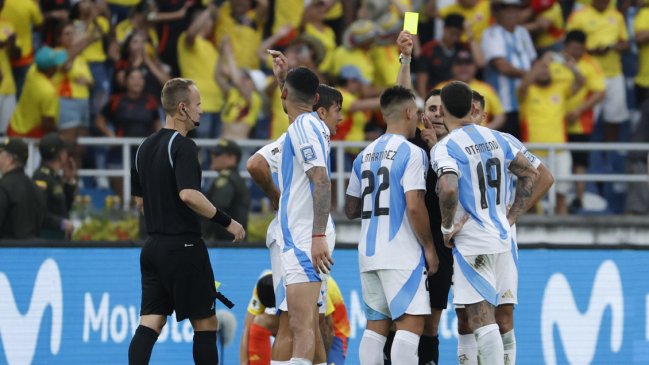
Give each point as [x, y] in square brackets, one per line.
[432, 200]
[166, 163]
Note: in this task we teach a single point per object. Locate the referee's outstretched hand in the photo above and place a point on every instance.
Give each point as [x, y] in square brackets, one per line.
[237, 230]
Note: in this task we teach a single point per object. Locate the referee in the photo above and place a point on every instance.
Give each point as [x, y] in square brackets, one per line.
[175, 266]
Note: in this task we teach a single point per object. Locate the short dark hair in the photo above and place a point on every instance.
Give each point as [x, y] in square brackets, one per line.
[454, 20]
[395, 95]
[328, 97]
[456, 98]
[266, 291]
[303, 83]
[434, 92]
[479, 98]
[174, 92]
[576, 36]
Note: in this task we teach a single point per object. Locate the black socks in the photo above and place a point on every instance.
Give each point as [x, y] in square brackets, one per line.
[139, 351]
[205, 351]
[428, 350]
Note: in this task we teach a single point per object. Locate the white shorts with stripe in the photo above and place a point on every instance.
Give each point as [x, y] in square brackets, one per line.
[390, 293]
[492, 277]
[296, 267]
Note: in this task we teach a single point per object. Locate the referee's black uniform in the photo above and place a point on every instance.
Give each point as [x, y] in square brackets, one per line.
[439, 284]
[175, 266]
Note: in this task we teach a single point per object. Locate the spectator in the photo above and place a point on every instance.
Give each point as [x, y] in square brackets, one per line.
[138, 21]
[385, 52]
[57, 178]
[508, 52]
[301, 52]
[606, 38]
[476, 13]
[314, 25]
[119, 9]
[170, 18]
[22, 206]
[132, 113]
[637, 195]
[288, 13]
[244, 27]
[7, 86]
[434, 64]
[56, 14]
[464, 69]
[580, 106]
[356, 110]
[89, 23]
[242, 101]
[358, 40]
[229, 191]
[38, 107]
[642, 39]
[197, 58]
[543, 106]
[134, 54]
[74, 82]
[546, 27]
[24, 15]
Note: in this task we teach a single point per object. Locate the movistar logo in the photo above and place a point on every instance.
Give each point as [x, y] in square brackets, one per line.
[579, 331]
[18, 332]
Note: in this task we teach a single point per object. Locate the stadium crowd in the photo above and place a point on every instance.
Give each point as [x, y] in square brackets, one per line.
[550, 71]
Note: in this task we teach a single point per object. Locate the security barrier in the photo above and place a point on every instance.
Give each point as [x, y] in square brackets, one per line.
[80, 305]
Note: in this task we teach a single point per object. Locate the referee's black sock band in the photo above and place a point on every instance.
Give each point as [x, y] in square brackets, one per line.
[388, 347]
[205, 351]
[428, 350]
[139, 351]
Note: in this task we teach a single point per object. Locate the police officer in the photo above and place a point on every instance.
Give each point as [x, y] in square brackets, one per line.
[59, 188]
[22, 205]
[229, 191]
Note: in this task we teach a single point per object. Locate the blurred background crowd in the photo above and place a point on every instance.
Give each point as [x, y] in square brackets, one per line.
[551, 71]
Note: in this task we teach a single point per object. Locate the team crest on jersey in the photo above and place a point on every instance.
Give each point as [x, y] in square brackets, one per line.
[308, 154]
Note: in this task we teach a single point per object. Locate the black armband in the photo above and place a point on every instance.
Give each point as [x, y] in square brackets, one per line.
[221, 218]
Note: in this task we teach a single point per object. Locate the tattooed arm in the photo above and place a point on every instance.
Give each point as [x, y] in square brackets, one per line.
[527, 179]
[352, 207]
[448, 198]
[321, 198]
[321, 208]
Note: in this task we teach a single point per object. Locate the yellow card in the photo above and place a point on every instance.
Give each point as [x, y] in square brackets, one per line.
[410, 22]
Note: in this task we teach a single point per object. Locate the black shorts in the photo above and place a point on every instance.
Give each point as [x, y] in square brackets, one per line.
[579, 158]
[177, 275]
[440, 284]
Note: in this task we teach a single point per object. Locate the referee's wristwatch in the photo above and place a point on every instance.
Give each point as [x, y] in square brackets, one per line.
[447, 231]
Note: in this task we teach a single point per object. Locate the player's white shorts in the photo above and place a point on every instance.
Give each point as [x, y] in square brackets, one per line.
[492, 277]
[297, 268]
[389, 294]
[614, 106]
[273, 242]
[563, 167]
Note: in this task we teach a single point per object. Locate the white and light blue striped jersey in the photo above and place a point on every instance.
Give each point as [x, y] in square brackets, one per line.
[382, 174]
[511, 178]
[517, 49]
[306, 145]
[480, 157]
[272, 153]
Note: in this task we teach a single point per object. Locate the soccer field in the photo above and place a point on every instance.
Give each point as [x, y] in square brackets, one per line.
[68, 305]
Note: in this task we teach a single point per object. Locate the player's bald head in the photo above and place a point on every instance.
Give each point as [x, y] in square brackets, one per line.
[394, 100]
